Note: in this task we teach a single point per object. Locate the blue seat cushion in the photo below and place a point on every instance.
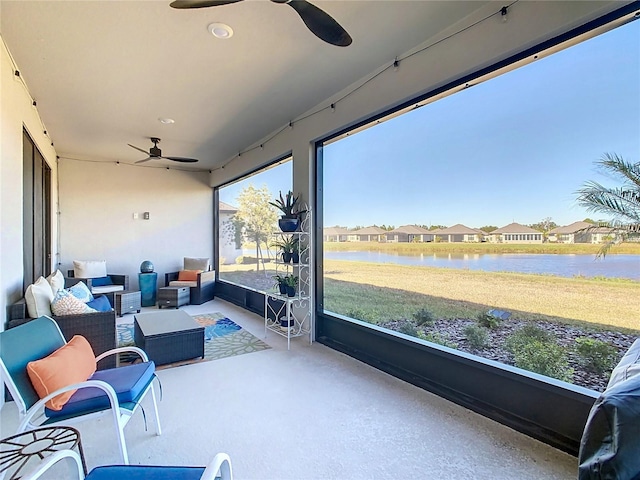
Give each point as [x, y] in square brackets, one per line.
[101, 281]
[128, 382]
[141, 472]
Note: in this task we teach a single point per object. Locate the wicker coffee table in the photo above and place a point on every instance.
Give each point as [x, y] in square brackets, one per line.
[169, 336]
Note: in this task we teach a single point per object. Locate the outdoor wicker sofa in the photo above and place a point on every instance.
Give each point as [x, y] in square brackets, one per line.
[99, 328]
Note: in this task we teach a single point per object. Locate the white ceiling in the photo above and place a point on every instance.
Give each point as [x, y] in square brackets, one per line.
[103, 72]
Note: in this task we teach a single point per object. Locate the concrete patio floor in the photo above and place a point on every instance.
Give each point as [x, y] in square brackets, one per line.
[313, 413]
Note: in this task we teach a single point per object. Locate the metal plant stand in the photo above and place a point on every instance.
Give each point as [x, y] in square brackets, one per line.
[287, 316]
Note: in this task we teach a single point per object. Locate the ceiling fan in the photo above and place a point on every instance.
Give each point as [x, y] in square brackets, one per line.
[154, 152]
[321, 24]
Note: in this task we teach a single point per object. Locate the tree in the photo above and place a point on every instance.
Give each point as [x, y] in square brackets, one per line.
[620, 203]
[544, 225]
[255, 218]
[488, 228]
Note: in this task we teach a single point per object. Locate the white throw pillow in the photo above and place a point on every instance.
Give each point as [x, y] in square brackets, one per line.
[39, 297]
[90, 268]
[81, 292]
[56, 280]
[201, 264]
[65, 303]
[628, 366]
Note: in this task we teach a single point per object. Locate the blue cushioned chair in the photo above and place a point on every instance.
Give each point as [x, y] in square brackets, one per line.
[116, 392]
[218, 468]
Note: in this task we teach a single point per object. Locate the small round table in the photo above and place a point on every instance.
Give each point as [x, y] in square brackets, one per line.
[17, 451]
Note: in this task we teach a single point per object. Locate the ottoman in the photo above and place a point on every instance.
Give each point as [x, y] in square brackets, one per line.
[127, 301]
[173, 296]
[169, 336]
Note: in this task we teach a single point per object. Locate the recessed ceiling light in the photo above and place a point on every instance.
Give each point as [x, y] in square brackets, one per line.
[220, 30]
[166, 121]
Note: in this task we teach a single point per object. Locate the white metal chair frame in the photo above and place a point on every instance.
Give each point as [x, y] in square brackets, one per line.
[221, 464]
[121, 416]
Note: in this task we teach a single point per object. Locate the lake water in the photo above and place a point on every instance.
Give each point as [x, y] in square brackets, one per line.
[613, 266]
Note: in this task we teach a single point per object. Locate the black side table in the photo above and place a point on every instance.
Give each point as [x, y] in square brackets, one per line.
[17, 451]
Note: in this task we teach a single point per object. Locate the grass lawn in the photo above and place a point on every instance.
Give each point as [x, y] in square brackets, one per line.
[381, 292]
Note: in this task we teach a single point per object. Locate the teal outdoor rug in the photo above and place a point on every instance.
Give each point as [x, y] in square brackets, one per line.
[222, 338]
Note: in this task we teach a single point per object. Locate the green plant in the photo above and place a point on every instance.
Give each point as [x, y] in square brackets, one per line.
[622, 202]
[291, 281]
[240, 259]
[286, 204]
[525, 335]
[435, 337]
[487, 320]
[596, 355]
[477, 336]
[423, 317]
[279, 280]
[407, 328]
[359, 314]
[288, 244]
[545, 358]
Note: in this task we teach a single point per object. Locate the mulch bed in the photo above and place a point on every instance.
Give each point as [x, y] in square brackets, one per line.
[453, 331]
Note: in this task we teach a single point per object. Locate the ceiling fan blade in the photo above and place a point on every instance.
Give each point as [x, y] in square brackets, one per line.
[139, 149]
[200, 3]
[321, 24]
[181, 159]
[145, 160]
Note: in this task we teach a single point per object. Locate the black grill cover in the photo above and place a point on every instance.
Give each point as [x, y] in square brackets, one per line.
[610, 445]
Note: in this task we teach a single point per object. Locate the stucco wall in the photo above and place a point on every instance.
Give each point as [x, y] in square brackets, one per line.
[97, 206]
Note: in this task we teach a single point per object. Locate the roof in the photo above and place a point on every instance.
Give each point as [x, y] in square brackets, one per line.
[458, 229]
[225, 207]
[571, 228]
[335, 231]
[369, 231]
[515, 228]
[411, 230]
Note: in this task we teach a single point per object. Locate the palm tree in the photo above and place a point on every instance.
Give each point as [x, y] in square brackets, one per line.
[621, 203]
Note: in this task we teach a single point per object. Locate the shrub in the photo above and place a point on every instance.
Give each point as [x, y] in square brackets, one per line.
[545, 358]
[408, 328]
[240, 260]
[487, 320]
[435, 337]
[596, 355]
[359, 314]
[527, 334]
[477, 336]
[423, 317]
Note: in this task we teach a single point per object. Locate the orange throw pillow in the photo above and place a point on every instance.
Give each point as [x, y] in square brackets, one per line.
[72, 363]
[188, 275]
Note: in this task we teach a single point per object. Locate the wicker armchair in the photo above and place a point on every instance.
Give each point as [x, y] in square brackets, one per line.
[202, 288]
[118, 283]
[99, 328]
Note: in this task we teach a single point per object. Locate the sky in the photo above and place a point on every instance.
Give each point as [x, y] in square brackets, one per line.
[512, 149]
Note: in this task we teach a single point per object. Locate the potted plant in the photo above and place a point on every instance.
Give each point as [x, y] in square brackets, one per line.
[280, 284]
[290, 218]
[291, 281]
[289, 247]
